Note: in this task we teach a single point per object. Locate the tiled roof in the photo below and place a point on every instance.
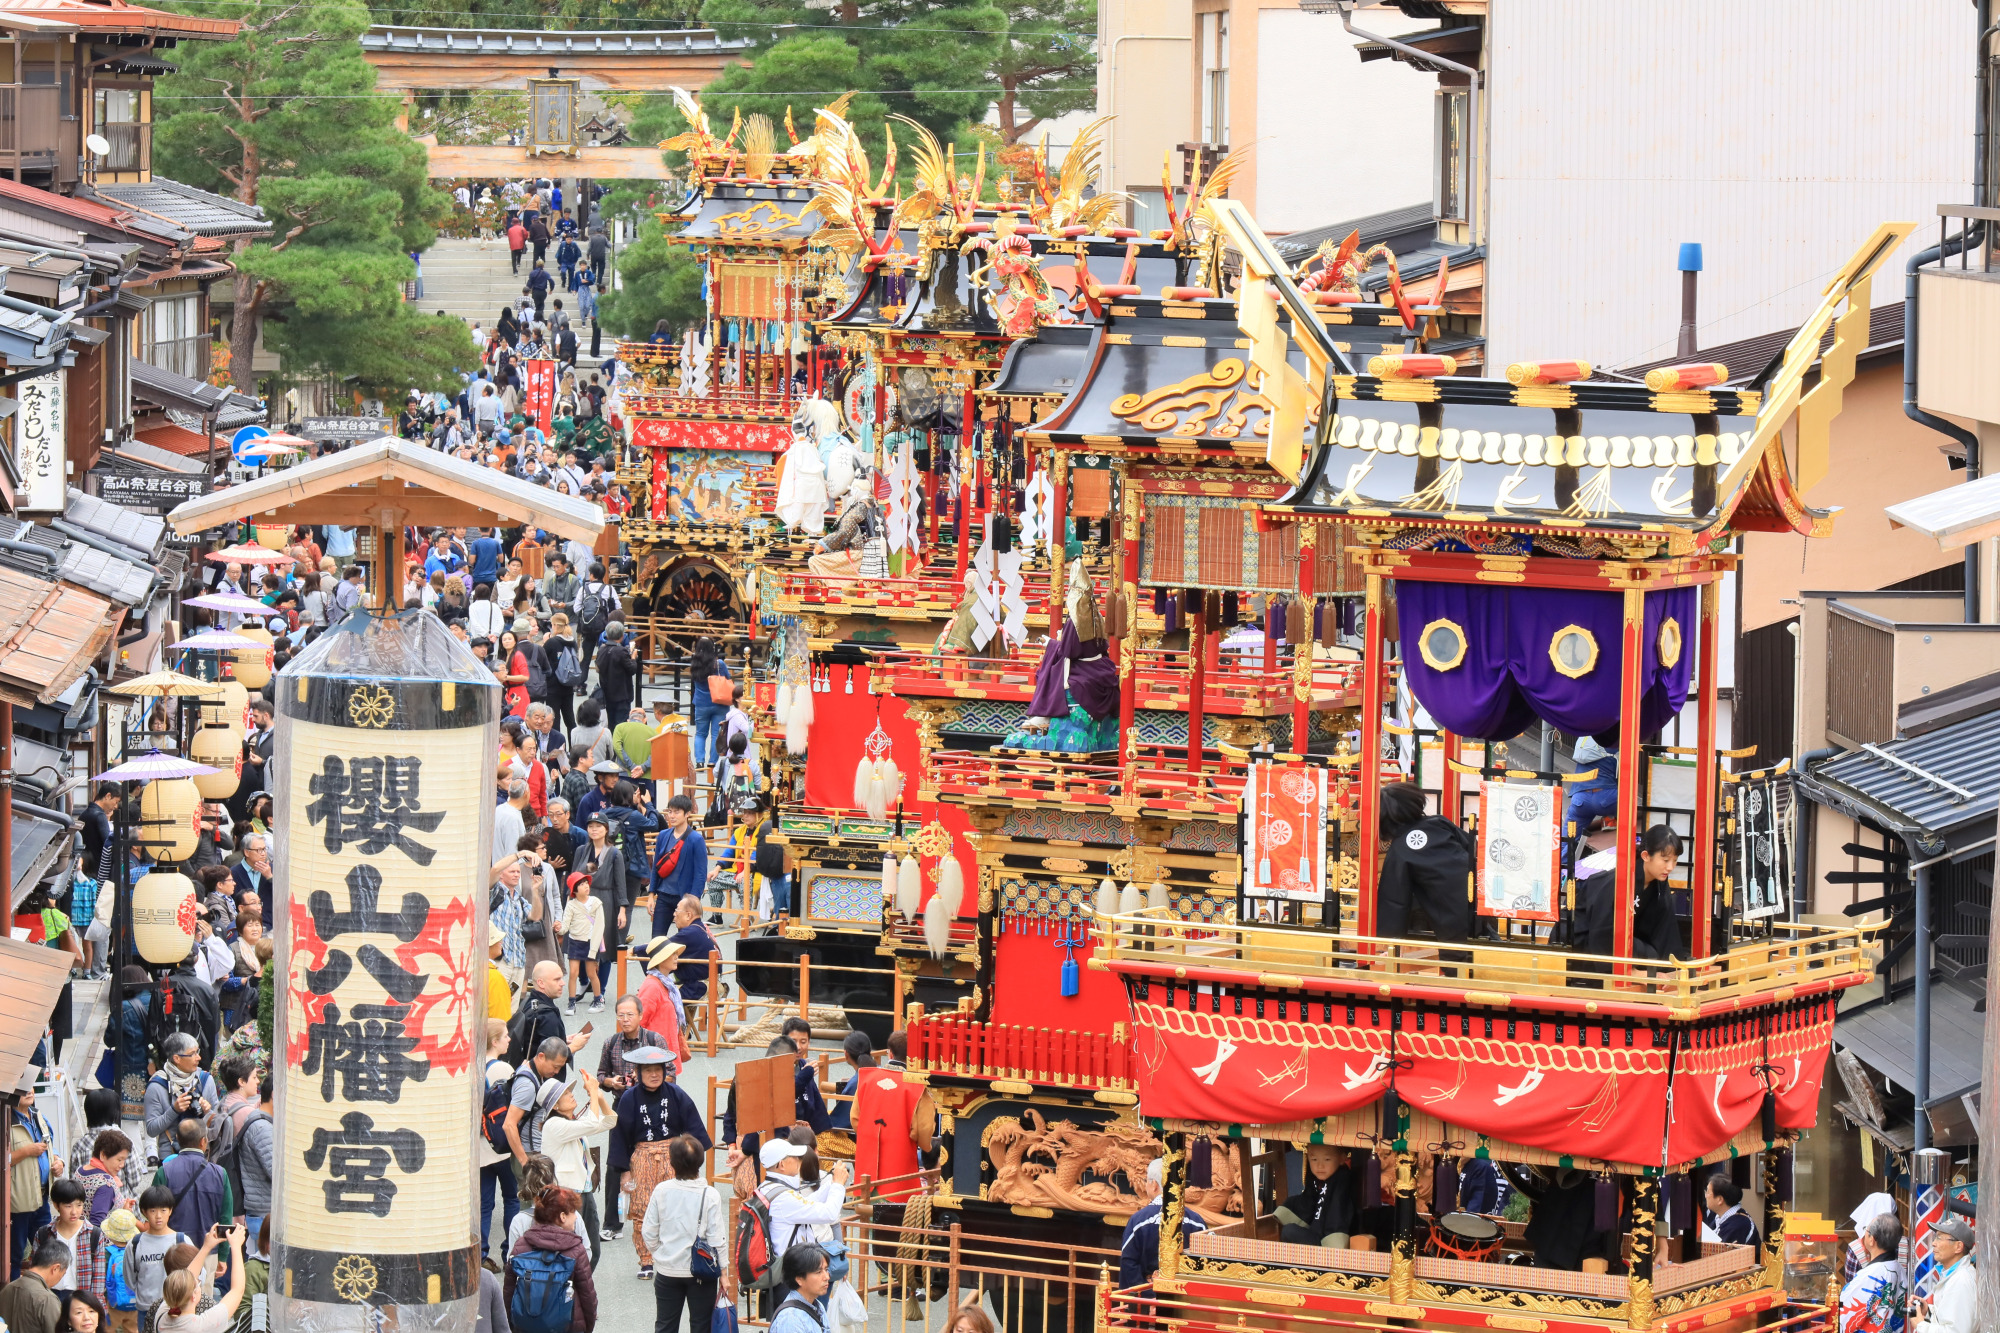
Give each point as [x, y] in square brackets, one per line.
[168, 389]
[1747, 357]
[50, 633]
[180, 440]
[112, 16]
[126, 582]
[143, 535]
[1414, 225]
[198, 211]
[475, 42]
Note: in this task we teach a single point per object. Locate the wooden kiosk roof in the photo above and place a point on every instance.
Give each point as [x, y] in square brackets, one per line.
[416, 484]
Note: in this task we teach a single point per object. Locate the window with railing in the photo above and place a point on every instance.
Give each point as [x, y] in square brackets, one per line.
[117, 116]
[172, 337]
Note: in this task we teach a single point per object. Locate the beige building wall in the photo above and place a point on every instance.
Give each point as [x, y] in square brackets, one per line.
[1331, 138]
[1876, 458]
[1336, 138]
[1142, 61]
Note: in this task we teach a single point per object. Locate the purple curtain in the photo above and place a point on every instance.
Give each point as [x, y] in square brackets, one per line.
[1478, 697]
[1507, 679]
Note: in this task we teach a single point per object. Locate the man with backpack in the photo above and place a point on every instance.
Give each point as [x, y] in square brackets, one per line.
[596, 607]
[202, 1195]
[184, 1003]
[251, 1157]
[521, 1126]
[182, 1088]
[539, 1020]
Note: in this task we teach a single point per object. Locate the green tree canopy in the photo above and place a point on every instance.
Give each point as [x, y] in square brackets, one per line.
[286, 117]
[929, 61]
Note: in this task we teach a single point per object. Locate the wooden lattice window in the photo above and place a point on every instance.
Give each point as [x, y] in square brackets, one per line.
[1220, 554]
[1166, 530]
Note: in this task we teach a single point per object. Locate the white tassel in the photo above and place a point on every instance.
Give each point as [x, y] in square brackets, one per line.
[798, 724]
[784, 704]
[937, 925]
[1156, 897]
[878, 793]
[909, 888]
[864, 776]
[1107, 898]
[1130, 900]
[951, 883]
[892, 785]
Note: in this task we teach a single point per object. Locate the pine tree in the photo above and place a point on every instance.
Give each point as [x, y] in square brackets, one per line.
[929, 61]
[286, 116]
[1048, 66]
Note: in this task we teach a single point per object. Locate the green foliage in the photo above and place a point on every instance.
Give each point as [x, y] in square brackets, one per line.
[1048, 66]
[283, 117]
[266, 1020]
[660, 281]
[929, 61]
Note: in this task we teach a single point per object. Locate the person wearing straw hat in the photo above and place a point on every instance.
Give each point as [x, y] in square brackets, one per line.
[649, 1115]
[660, 1005]
[570, 1116]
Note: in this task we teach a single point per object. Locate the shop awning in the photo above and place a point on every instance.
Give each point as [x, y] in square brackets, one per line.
[1939, 790]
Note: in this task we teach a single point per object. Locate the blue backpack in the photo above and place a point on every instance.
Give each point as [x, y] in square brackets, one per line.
[542, 1302]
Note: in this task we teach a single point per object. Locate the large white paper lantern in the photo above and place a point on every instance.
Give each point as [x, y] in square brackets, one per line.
[168, 810]
[386, 728]
[163, 916]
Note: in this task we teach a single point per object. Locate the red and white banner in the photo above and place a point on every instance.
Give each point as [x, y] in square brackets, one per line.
[1234, 1067]
[1718, 1086]
[1284, 832]
[542, 394]
[674, 433]
[1800, 1040]
[1584, 1092]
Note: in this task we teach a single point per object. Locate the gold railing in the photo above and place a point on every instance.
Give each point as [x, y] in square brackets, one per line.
[1798, 960]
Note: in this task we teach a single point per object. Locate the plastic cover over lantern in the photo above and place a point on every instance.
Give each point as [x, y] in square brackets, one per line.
[386, 727]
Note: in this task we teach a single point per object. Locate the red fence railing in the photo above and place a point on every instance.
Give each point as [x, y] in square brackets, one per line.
[960, 1046]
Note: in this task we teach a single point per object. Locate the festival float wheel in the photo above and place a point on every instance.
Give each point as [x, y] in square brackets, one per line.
[692, 590]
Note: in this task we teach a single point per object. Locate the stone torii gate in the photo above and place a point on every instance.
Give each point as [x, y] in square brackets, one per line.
[553, 68]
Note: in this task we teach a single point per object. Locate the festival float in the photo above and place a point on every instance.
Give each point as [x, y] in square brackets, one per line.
[1541, 547]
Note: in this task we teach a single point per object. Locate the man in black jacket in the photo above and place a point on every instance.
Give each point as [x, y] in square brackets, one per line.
[617, 671]
[541, 1017]
[1429, 865]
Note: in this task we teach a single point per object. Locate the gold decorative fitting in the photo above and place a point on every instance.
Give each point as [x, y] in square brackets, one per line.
[763, 218]
[1187, 409]
[1442, 644]
[371, 706]
[1573, 651]
[1668, 644]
